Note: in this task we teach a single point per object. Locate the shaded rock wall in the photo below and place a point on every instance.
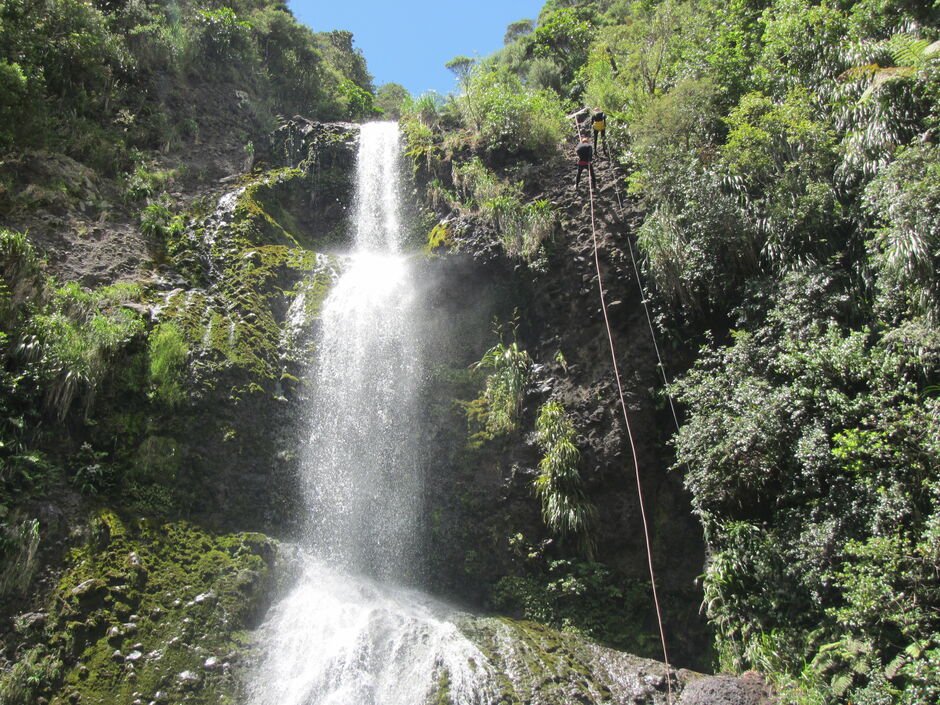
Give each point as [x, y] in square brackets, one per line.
[495, 529]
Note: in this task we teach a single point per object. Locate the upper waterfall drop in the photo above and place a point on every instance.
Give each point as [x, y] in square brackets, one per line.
[362, 468]
[377, 204]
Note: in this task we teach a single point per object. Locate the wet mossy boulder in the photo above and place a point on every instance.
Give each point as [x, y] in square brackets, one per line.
[537, 664]
[149, 612]
[252, 266]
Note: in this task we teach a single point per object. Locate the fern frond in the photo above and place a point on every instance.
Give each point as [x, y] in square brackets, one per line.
[906, 50]
[840, 684]
[891, 670]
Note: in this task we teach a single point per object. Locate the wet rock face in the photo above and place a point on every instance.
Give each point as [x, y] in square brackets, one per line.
[74, 216]
[241, 269]
[748, 689]
[326, 154]
[540, 665]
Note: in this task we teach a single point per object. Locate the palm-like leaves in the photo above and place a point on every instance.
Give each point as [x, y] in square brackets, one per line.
[565, 509]
[509, 365]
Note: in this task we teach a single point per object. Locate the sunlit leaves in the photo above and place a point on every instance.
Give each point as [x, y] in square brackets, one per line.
[510, 117]
[507, 368]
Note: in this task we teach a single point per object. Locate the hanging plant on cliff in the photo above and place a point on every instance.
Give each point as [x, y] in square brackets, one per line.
[509, 373]
[565, 508]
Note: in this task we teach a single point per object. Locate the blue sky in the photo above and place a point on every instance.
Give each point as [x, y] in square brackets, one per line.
[409, 41]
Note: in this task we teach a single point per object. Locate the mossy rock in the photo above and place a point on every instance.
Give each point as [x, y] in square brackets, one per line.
[156, 611]
[255, 265]
[535, 663]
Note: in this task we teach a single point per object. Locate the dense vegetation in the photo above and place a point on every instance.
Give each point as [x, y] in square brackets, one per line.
[114, 118]
[120, 86]
[100, 80]
[785, 155]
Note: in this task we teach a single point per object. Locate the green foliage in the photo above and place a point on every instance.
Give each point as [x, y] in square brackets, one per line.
[910, 54]
[19, 263]
[517, 29]
[390, 99]
[158, 222]
[565, 508]
[357, 100]
[30, 677]
[477, 185]
[419, 119]
[168, 353]
[92, 474]
[522, 226]
[905, 201]
[632, 63]
[733, 45]
[783, 152]
[578, 597]
[99, 80]
[564, 35]
[780, 161]
[13, 87]
[439, 238]
[143, 183]
[801, 46]
[698, 248]
[507, 368]
[837, 541]
[73, 339]
[221, 37]
[19, 541]
[506, 116]
[461, 66]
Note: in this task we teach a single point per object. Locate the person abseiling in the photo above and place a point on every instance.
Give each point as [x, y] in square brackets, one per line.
[599, 121]
[585, 155]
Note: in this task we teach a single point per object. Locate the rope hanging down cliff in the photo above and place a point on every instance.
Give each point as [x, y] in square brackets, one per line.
[639, 284]
[636, 464]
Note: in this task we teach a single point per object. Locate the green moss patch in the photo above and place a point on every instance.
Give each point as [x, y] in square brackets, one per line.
[236, 324]
[154, 611]
[533, 663]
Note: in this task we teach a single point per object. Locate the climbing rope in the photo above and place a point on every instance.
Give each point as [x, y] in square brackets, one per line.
[636, 462]
[646, 309]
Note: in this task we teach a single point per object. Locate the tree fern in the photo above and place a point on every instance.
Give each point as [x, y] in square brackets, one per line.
[910, 55]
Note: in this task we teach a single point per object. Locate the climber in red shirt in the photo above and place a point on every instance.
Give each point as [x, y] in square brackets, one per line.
[585, 154]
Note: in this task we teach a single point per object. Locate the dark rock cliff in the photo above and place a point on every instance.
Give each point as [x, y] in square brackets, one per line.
[491, 503]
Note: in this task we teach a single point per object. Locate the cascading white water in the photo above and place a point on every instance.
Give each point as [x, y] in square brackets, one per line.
[348, 634]
[363, 479]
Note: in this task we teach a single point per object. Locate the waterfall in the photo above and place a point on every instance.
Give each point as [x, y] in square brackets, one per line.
[349, 633]
[363, 476]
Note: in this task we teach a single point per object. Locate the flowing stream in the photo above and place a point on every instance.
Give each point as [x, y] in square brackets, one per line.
[349, 633]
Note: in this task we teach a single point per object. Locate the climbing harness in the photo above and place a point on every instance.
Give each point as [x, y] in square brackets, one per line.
[626, 418]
